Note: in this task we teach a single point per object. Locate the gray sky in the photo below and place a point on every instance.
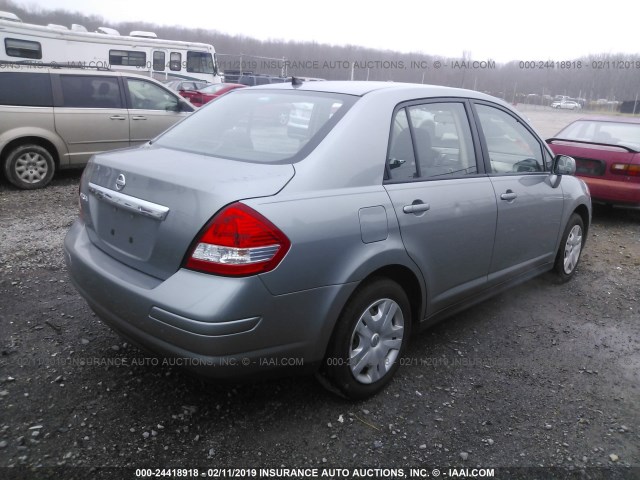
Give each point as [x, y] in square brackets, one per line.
[489, 29]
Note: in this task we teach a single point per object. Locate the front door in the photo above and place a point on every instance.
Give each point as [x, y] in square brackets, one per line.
[529, 205]
[152, 109]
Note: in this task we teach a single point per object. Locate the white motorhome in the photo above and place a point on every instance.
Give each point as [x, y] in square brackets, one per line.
[140, 52]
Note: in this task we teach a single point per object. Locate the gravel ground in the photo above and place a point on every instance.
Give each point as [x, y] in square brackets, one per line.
[544, 375]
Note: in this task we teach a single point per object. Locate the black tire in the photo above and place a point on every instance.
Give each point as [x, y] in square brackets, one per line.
[570, 249]
[378, 358]
[29, 166]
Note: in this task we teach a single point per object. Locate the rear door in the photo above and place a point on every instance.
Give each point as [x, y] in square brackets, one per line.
[529, 204]
[90, 114]
[444, 202]
[152, 109]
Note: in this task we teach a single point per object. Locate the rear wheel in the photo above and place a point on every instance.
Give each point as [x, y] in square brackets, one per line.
[29, 166]
[369, 339]
[570, 248]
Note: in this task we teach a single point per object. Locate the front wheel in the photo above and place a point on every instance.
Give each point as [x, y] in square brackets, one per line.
[29, 166]
[570, 248]
[369, 339]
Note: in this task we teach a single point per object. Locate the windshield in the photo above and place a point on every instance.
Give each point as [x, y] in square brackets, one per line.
[613, 133]
[200, 62]
[263, 126]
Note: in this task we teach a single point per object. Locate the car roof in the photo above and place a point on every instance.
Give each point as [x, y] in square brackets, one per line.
[361, 88]
[28, 68]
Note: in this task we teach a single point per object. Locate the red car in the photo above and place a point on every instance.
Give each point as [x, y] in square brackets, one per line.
[210, 92]
[607, 154]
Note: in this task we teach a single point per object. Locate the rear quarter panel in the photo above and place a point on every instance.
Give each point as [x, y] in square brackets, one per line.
[20, 122]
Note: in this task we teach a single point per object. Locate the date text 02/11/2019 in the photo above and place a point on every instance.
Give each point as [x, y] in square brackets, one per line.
[579, 65]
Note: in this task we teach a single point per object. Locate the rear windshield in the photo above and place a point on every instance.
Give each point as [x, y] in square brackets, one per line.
[613, 133]
[259, 125]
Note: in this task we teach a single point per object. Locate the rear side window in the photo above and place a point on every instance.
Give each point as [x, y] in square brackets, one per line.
[25, 89]
[401, 162]
[259, 126]
[82, 91]
[431, 141]
[22, 48]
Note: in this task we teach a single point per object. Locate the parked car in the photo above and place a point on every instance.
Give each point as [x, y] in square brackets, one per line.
[211, 92]
[184, 86]
[53, 118]
[607, 154]
[566, 104]
[242, 250]
[260, 79]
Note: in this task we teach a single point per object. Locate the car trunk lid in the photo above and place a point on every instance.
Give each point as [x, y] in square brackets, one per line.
[145, 206]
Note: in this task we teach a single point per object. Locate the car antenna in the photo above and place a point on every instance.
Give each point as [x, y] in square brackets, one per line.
[296, 82]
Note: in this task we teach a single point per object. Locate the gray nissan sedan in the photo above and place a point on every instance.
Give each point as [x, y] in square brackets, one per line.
[238, 244]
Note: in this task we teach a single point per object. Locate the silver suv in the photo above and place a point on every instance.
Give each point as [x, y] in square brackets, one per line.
[53, 117]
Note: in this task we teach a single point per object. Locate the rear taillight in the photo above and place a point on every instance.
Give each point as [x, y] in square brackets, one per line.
[625, 169]
[238, 241]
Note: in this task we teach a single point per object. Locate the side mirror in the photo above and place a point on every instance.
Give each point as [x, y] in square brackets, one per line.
[563, 165]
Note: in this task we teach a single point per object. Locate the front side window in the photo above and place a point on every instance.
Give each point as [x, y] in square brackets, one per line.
[127, 58]
[431, 141]
[84, 91]
[149, 96]
[511, 147]
[22, 48]
[200, 62]
[158, 61]
[259, 126]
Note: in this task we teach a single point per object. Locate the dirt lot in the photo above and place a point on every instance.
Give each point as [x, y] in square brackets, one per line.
[544, 375]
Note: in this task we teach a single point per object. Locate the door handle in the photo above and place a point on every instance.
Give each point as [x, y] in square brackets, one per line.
[117, 117]
[416, 208]
[138, 117]
[509, 195]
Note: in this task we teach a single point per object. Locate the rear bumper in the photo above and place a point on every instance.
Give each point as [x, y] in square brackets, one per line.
[218, 326]
[613, 191]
